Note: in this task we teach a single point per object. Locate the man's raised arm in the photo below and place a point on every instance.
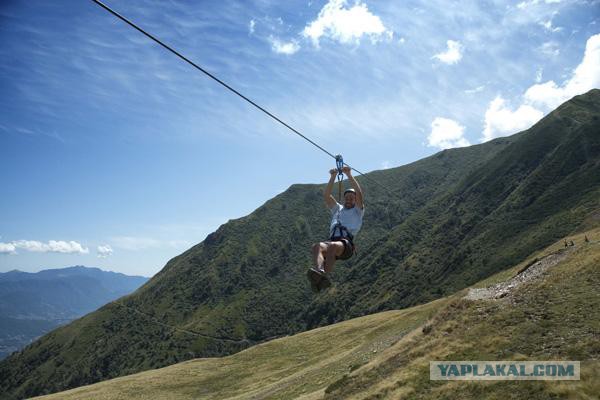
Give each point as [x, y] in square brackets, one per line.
[356, 186]
[329, 199]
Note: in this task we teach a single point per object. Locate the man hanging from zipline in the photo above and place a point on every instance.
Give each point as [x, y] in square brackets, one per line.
[346, 221]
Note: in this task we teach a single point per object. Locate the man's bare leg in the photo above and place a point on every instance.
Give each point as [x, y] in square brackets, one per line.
[318, 250]
[333, 249]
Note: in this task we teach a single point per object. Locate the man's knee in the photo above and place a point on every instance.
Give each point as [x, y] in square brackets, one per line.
[317, 247]
[336, 248]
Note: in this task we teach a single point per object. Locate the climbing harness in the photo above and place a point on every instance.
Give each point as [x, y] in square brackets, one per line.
[344, 233]
[341, 234]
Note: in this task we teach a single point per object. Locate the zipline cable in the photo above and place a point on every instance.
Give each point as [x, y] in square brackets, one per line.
[199, 68]
[184, 58]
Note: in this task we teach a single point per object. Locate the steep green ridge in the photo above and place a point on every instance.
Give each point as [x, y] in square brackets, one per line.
[550, 316]
[459, 216]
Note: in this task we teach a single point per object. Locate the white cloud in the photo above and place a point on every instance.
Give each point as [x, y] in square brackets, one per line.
[476, 90]
[540, 13]
[550, 49]
[386, 164]
[251, 26]
[549, 25]
[104, 251]
[538, 75]
[7, 248]
[446, 133]
[53, 246]
[501, 121]
[524, 4]
[346, 25]
[453, 53]
[585, 77]
[280, 47]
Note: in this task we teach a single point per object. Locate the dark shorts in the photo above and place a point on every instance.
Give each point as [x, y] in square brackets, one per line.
[348, 248]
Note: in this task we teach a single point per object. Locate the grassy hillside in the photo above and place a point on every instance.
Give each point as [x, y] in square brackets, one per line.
[554, 315]
[459, 216]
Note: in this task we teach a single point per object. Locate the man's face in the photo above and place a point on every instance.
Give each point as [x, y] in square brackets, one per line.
[349, 200]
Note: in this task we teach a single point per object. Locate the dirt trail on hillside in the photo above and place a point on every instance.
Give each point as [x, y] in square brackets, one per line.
[528, 273]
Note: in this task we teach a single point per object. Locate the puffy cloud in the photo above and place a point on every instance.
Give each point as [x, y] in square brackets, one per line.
[7, 248]
[104, 251]
[345, 25]
[501, 121]
[585, 77]
[453, 53]
[53, 246]
[280, 47]
[544, 97]
[446, 133]
[251, 26]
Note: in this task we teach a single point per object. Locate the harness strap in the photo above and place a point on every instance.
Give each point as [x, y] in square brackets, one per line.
[344, 233]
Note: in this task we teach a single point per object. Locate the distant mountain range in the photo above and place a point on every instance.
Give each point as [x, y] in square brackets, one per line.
[445, 222]
[32, 304]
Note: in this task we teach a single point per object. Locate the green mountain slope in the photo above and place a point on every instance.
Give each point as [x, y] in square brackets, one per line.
[551, 314]
[459, 216]
[532, 192]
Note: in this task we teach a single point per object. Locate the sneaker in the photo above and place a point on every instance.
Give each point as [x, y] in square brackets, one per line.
[325, 282]
[314, 286]
[318, 270]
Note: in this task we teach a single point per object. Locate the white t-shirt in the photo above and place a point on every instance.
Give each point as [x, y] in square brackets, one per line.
[351, 218]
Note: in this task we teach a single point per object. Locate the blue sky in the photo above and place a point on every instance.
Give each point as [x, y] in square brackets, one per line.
[117, 154]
